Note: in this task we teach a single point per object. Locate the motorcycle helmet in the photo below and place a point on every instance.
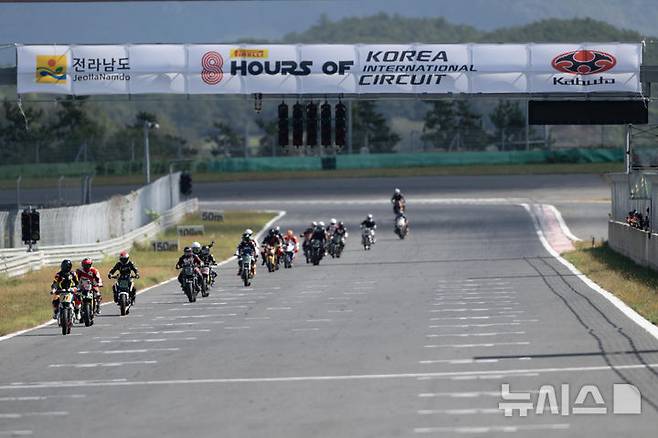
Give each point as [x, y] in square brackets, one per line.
[124, 257]
[332, 221]
[196, 247]
[321, 224]
[397, 191]
[277, 229]
[86, 263]
[248, 232]
[341, 224]
[205, 250]
[369, 217]
[66, 265]
[187, 251]
[246, 237]
[314, 224]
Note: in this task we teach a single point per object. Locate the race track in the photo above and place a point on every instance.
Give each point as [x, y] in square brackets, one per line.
[413, 338]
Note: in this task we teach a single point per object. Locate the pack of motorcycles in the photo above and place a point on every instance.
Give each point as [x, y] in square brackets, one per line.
[195, 282]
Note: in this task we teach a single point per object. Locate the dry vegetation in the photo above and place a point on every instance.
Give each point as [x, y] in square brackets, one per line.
[24, 300]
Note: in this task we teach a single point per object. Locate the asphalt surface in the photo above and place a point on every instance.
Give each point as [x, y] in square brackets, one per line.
[412, 338]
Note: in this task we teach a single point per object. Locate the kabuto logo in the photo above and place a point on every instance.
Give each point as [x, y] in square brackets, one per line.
[584, 62]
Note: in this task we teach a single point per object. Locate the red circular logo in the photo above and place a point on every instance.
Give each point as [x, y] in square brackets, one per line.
[584, 62]
[212, 63]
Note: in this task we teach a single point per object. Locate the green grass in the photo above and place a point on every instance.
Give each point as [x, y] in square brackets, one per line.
[633, 284]
[467, 170]
[25, 300]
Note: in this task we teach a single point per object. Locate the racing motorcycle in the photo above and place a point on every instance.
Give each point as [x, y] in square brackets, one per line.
[288, 254]
[401, 226]
[88, 300]
[336, 245]
[247, 266]
[65, 298]
[191, 286]
[398, 207]
[208, 279]
[270, 258]
[123, 286]
[317, 251]
[367, 237]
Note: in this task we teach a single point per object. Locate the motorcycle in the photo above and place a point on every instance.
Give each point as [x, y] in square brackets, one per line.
[270, 258]
[336, 245]
[190, 282]
[367, 238]
[87, 297]
[317, 251]
[401, 226]
[208, 279]
[65, 309]
[398, 207]
[123, 287]
[289, 254]
[247, 266]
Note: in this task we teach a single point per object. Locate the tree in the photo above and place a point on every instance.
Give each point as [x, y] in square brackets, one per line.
[370, 129]
[471, 135]
[75, 130]
[227, 141]
[268, 141]
[23, 129]
[509, 121]
[440, 125]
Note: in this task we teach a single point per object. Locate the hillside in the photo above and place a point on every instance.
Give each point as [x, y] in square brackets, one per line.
[192, 117]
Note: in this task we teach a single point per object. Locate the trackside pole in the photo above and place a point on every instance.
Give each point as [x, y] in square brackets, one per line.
[627, 155]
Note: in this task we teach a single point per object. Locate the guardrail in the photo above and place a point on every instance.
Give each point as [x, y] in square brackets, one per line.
[16, 261]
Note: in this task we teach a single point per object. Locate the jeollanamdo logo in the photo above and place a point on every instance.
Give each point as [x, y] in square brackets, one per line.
[51, 69]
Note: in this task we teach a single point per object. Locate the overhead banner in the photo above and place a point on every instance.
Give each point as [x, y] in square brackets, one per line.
[330, 69]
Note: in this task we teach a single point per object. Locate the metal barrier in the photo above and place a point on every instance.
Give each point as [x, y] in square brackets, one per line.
[16, 261]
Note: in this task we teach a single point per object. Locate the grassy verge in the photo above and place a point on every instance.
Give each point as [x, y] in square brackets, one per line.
[633, 284]
[24, 300]
[469, 170]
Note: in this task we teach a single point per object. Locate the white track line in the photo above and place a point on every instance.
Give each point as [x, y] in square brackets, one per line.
[493, 429]
[40, 397]
[468, 335]
[34, 414]
[139, 350]
[467, 411]
[102, 364]
[354, 377]
[491, 344]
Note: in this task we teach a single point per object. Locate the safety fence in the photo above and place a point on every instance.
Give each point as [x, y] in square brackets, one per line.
[339, 161]
[635, 191]
[99, 221]
[16, 261]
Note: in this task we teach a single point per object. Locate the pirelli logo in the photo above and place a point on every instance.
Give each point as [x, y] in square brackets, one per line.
[250, 53]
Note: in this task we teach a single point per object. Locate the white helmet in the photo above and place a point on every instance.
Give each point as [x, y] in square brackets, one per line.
[314, 224]
[277, 228]
[248, 232]
[321, 223]
[397, 191]
[333, 221]
[369, 217]
[196, 247]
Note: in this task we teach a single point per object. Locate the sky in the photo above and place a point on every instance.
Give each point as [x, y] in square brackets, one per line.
[227, 21]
